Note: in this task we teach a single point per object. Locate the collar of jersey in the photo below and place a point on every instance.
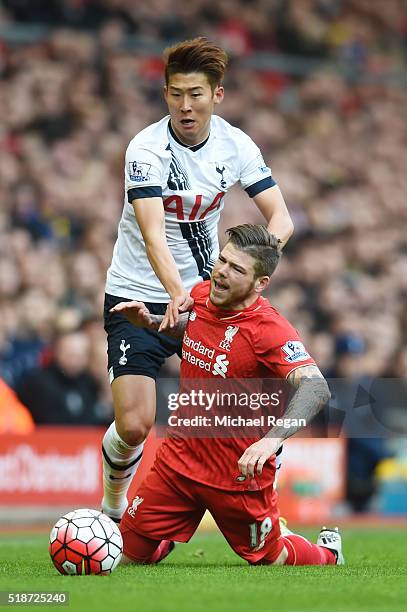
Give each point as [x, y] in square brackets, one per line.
[226, 315]
[182, 144]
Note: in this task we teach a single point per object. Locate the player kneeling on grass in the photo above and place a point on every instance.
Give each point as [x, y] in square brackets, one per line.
[243, 337]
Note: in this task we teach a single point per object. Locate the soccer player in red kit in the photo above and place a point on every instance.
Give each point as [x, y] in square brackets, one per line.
[231, 333]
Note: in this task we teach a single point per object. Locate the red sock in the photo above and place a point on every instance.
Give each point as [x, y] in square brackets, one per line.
[163, 549]
[302, 552]
[143, 550]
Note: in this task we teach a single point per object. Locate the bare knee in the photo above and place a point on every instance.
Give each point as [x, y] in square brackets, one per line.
[134, 406]
[133, 428]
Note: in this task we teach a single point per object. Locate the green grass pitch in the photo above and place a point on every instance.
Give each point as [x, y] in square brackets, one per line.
[206, 576]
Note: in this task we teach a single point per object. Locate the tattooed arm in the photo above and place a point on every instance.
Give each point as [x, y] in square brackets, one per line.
[138, 314]
[312, 392]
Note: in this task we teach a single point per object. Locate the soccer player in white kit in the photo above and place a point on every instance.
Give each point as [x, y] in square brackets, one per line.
[177, 172]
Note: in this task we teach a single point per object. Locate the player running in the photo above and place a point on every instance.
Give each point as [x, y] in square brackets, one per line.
[177, 172]
[233, 477]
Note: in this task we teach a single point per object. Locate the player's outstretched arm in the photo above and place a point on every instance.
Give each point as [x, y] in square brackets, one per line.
[139, 315]
[312, 393]
[151, 220]
[271, 204]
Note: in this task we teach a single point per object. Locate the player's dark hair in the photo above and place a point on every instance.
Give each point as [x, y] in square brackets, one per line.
[196, 55]
[257, 241]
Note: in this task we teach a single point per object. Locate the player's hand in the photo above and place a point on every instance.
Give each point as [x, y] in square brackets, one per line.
[256, 455]
[181, 303]
[137, 313]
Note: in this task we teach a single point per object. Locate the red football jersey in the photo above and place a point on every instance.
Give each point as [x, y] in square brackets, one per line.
[221, 346]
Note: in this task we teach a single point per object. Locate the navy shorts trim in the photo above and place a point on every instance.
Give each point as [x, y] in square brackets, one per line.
[131, 350]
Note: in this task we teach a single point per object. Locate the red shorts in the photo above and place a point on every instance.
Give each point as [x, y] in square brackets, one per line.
[169, 506]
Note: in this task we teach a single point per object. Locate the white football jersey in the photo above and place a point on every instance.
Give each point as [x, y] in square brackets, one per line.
[192, 182]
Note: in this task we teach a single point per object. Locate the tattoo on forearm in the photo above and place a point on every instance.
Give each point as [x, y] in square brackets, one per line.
[178, 330]
[312, 393]
[156, 319]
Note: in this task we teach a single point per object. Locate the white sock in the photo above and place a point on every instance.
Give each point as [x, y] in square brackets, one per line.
[120, 462]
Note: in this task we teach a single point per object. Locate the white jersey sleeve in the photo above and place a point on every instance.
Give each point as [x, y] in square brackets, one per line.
[143, 168]
[255, 175]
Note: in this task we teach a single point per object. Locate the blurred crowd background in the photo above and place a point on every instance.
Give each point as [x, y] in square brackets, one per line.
[320, 85]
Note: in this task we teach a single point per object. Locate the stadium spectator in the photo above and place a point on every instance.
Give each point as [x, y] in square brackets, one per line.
[64, 392]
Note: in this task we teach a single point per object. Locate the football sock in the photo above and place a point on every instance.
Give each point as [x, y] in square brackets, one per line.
[302, 552]
[162, 551]
[120, 462]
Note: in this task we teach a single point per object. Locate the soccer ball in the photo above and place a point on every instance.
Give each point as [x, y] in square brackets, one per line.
[85, 542]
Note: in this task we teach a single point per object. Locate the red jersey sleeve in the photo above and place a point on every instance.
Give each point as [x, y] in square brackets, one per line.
[279, 347]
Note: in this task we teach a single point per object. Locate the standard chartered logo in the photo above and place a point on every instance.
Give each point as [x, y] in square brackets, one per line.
[220, 367]
[203, 358]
